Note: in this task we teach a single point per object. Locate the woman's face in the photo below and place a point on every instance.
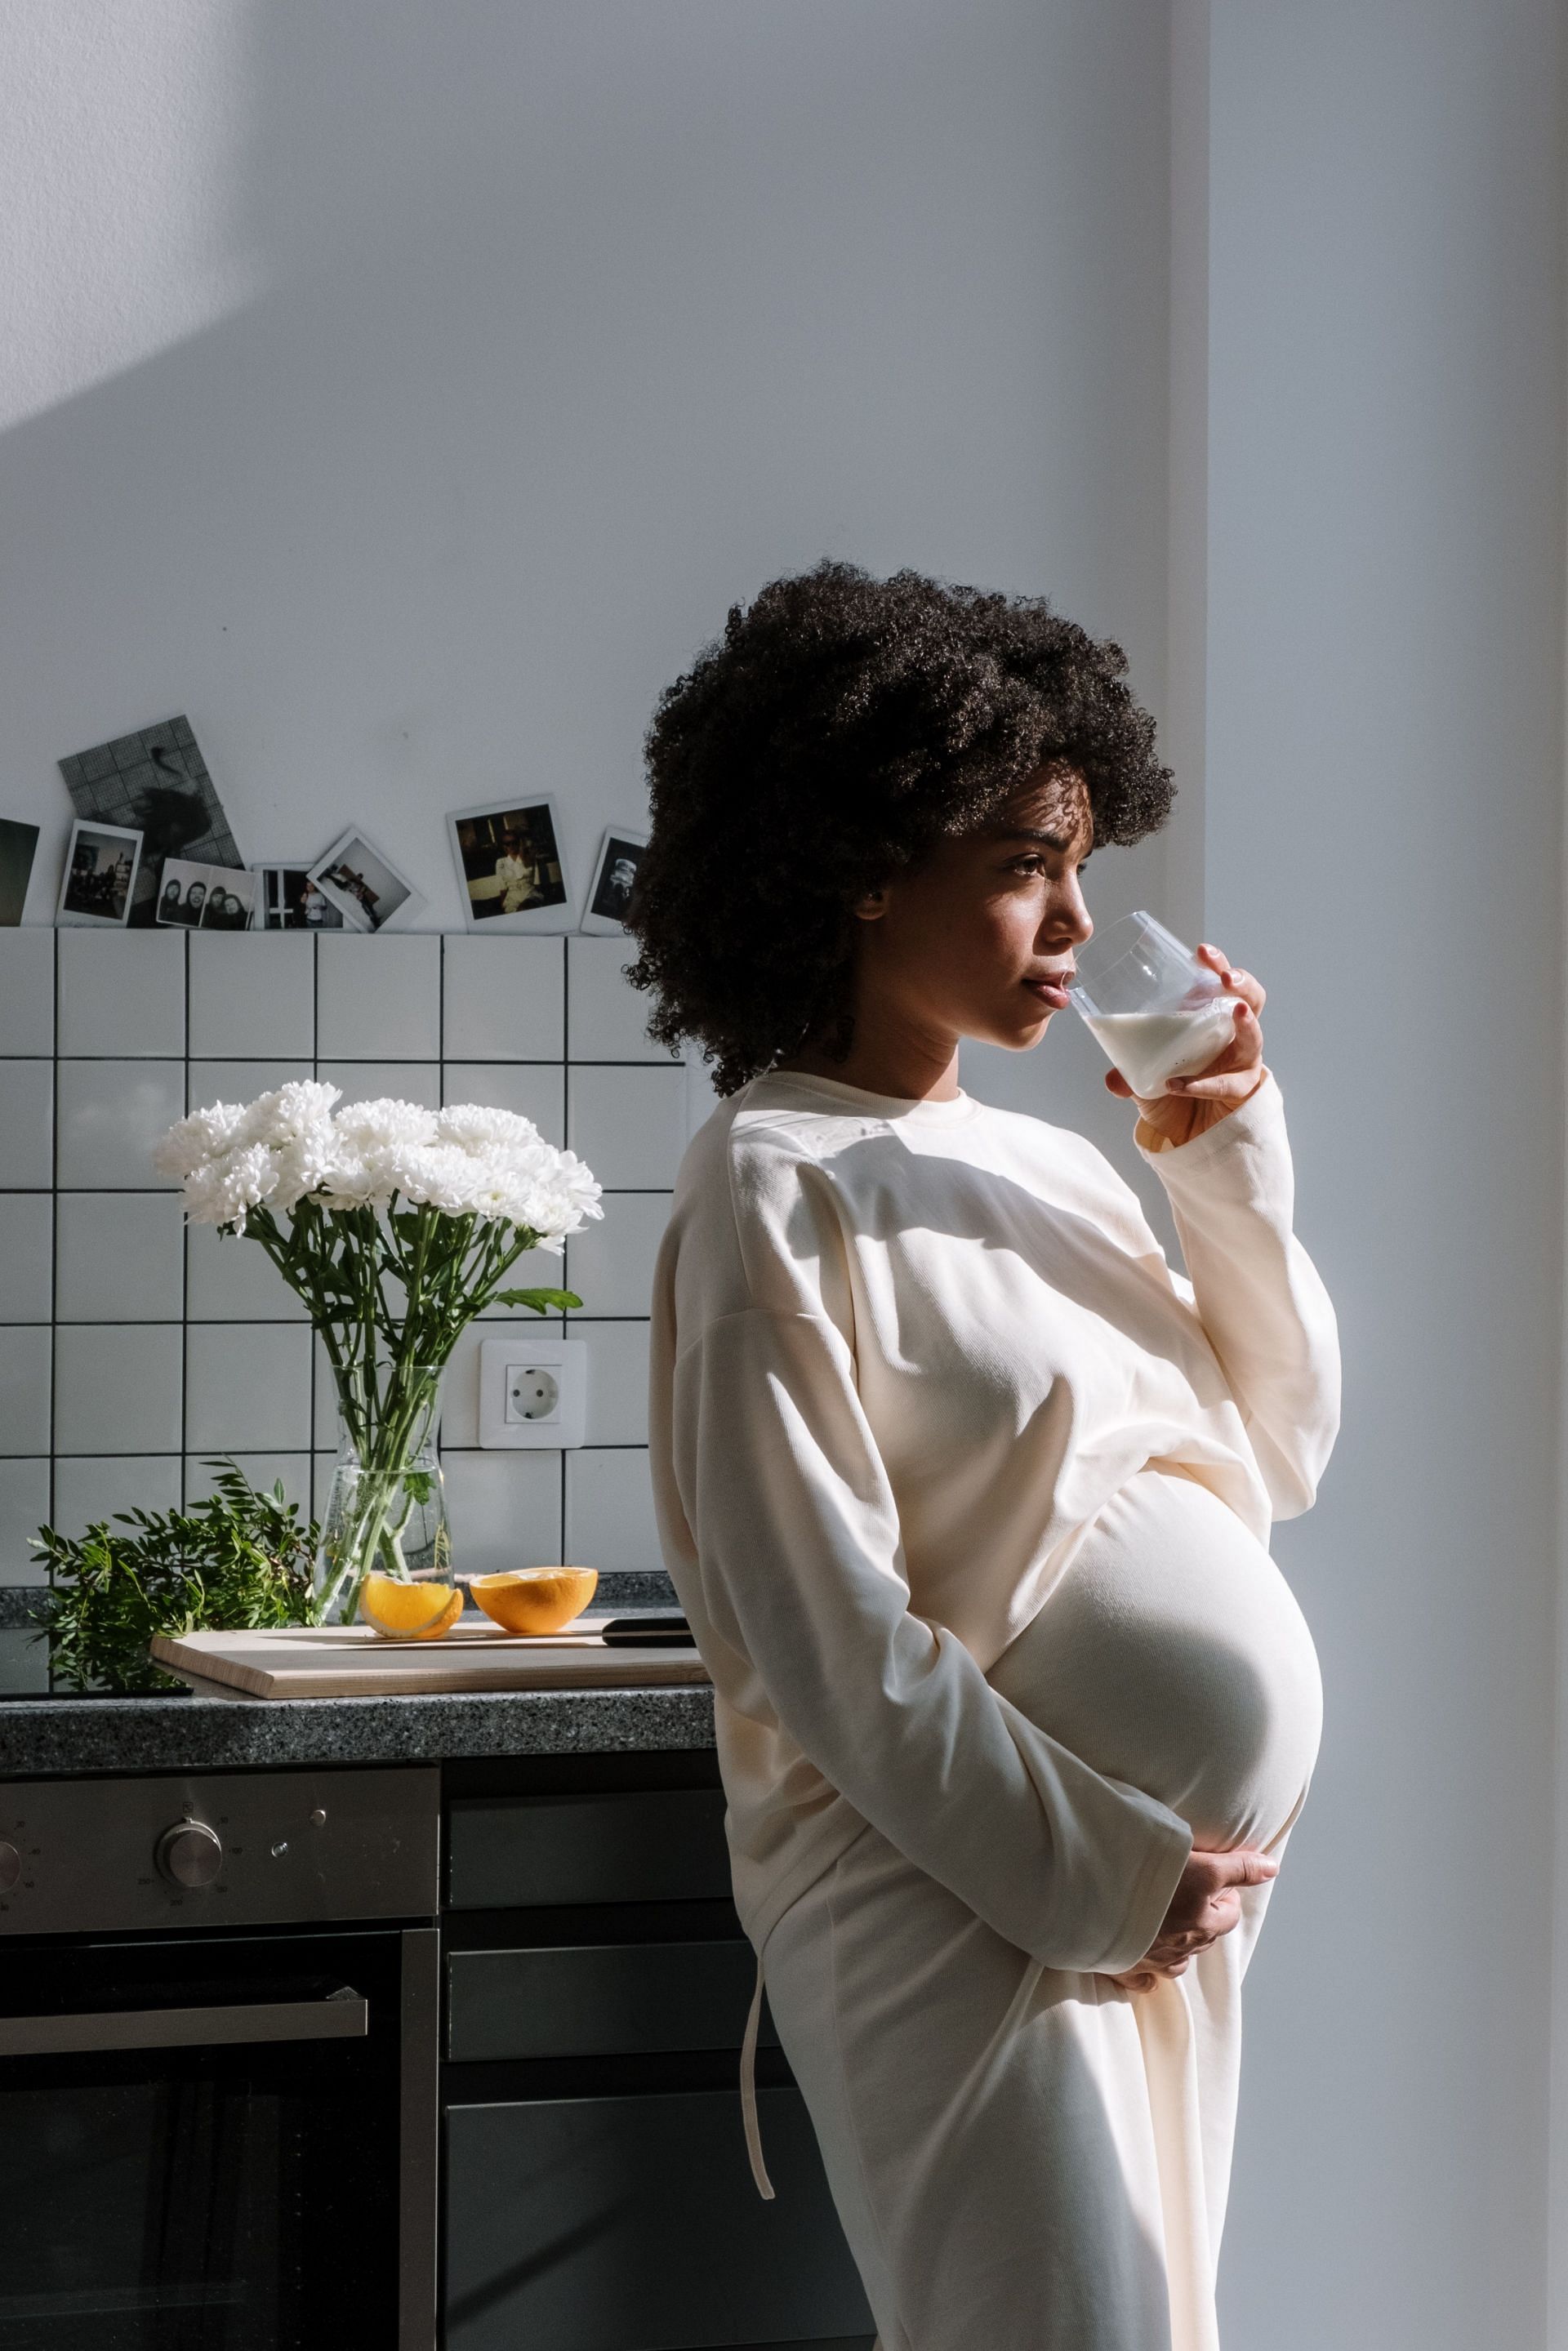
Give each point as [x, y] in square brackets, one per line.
[969, 943]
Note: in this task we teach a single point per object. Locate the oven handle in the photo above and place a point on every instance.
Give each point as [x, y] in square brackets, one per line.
[343, 2016]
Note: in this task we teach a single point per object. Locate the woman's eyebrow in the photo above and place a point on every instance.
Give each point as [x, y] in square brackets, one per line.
[1057, 841]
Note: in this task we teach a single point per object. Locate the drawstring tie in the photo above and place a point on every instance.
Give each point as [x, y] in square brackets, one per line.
[749, 2090]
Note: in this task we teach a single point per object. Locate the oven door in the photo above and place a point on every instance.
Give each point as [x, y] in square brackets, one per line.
[216, 2144]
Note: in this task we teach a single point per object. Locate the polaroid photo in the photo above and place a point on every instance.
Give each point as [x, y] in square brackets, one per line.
[363, 885]
[18, 843]
[510, 866]
[101, 864]
[156, 783]
[288, 900]
[615, 870]
[193, 897]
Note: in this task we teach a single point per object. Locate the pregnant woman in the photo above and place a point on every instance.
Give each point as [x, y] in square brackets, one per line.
[965, 1492]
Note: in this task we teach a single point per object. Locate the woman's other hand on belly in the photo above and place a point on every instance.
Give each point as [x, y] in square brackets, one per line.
[1206, 1905]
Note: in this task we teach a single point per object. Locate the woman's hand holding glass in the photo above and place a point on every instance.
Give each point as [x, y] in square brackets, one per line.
[1190, 1105]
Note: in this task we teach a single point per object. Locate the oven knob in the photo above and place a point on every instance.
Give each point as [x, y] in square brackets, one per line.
[189, 1854]
[10, 1867]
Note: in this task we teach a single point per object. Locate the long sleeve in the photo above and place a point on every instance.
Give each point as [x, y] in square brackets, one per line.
[1258, 1295]
[796, 1549]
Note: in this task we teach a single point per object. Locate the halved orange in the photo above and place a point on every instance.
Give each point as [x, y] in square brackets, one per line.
[535, 1599]
[409, 1612]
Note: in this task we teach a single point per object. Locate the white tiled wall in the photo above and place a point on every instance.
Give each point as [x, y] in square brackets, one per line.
[131, 1349]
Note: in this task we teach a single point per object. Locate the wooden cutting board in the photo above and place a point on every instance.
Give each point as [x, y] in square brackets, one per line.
[353, 1661]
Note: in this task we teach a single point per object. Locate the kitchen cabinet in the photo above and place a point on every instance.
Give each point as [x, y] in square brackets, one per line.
[597, 2193]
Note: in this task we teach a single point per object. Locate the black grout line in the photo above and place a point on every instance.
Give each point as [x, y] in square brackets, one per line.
[54, 1218]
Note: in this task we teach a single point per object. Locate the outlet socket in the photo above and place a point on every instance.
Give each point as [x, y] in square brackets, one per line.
[533, 1391]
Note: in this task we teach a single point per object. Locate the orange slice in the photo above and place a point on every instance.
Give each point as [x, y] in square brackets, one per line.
[535, 1599]
[409, 1612]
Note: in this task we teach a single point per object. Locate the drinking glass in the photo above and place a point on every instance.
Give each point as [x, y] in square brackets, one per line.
[1155, 1010]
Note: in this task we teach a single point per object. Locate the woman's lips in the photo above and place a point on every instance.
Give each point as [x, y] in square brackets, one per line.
[1052, 990]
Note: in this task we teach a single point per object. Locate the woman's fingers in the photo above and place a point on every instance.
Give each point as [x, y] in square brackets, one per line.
[1251, 991]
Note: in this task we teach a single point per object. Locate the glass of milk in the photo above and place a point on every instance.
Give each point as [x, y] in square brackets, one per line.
[1156, 1011]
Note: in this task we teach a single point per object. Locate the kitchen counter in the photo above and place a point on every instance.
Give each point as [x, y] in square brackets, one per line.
[48, 1737]
[66, 1735]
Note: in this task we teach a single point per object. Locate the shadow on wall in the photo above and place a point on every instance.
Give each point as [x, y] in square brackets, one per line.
[576, 322]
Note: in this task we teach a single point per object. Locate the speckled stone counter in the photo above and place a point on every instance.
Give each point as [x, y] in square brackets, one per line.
[55, 1736]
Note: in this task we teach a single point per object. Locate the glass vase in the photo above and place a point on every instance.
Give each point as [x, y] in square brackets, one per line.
[386, 1512]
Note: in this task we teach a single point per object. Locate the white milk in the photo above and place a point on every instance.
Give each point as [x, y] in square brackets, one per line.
[1150, 1047]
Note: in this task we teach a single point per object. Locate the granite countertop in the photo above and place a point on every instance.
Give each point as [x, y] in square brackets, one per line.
[49, 1737]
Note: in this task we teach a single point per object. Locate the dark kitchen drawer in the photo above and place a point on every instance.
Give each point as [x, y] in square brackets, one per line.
[657, 1844]
[601, 1999]
[633, 2224]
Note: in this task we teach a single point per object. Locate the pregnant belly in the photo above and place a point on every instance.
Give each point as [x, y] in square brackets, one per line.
[1173, 1656]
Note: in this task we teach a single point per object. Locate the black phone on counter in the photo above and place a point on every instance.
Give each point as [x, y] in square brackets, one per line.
[665, 1631]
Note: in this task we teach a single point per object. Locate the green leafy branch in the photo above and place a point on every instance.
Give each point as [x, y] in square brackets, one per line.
[239, 1560]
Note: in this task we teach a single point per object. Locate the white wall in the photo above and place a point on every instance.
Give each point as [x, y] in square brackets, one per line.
[1384, 794]
[420, 404]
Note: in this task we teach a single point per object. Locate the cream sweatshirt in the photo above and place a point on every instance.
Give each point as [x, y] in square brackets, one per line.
[902, 1354]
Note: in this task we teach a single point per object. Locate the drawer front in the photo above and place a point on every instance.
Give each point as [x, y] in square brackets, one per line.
[661, 1844]
[633, 2224]
[601, 1999]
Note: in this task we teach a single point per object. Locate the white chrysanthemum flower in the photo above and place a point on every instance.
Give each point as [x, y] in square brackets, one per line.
[191, 1142]
[474, 1127]
[226, 1188]
[302, 1107]
[383, 1125]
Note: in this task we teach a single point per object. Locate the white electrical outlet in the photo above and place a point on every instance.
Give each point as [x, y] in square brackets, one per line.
[533, 1390]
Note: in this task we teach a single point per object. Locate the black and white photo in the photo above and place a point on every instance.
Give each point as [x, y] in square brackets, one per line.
[102, 863]
[289, 900]
[156, 783]
[510, 865]
[193, 897]
[363, 885]
[614, 872]
[18, 843]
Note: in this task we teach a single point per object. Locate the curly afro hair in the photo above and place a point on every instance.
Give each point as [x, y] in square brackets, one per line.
[840, 728]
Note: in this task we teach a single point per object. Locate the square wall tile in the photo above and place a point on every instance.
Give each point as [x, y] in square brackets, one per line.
[27, 991]
[535, 1090]
[24, 1509]
[702, 1096]
[26, 1125]
[27, 1256]
[607, 1020]
[252, 997]
[122, 993]
[609, 1264]
[118, 1387]
[413, 1082]
[610, 1509]
[630, 1124]
[87, 1491]
[617, 1383]
[460, 1388]
[263, 1470]
[232, 1280]
[122, 1258]
[379, 999]
[504, 1000]
[112, 1114]
[324, 1434]
[242, 1082]
[505, 1510]
[24, 1357]
[247, 1387]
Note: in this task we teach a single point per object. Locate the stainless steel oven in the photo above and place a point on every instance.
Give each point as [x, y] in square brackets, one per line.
[218, 2063]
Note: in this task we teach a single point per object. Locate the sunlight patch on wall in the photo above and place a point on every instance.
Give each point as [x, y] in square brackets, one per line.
[117, 187]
